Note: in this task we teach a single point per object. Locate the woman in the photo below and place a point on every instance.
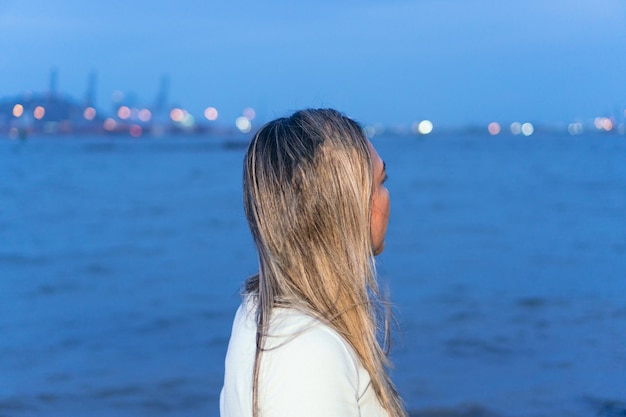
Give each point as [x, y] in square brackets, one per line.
[304, 341]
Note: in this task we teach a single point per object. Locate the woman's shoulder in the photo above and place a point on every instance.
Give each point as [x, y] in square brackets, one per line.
[303, 327]
[296, 339]
[291, 329]
[307, 365]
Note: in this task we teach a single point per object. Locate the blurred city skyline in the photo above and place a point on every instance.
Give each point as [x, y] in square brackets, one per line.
[452, 62]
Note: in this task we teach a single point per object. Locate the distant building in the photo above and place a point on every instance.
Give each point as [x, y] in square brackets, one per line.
[48, 112]
[53, 113]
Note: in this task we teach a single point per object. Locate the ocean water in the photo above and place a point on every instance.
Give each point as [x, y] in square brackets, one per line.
[121, 261]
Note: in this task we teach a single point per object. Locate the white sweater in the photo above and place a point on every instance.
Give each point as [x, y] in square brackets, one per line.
[308, 371]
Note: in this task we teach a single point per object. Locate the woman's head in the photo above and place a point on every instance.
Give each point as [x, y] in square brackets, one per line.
[309, 181]
[317, 209]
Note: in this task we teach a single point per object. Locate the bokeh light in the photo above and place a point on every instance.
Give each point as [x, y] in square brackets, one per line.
[18, 110]
[124, 112]
[249, 113]
[135, 131]
[210, 113]
[516, 128]
[527, 129]
[243, 124]
[39, 112]
[144, 115]
[188, 120]
[575, 128]
[89, 113]
[597, 122]
[370, 131]
[177, 115]
[109, 124]
[494, 128]
[425, 127]
[604, 123]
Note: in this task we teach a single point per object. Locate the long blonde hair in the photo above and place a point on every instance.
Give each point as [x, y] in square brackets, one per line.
[307, 197]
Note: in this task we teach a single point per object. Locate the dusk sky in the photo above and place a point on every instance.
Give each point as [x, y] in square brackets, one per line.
[398, 61]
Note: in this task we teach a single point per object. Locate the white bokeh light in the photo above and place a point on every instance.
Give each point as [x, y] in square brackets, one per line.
[243, 124]
[425, 127]
[527, 129]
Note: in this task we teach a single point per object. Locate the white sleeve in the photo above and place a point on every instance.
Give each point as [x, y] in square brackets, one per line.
[313, 375]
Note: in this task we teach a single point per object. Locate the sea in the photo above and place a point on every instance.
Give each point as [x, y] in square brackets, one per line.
[121, 262]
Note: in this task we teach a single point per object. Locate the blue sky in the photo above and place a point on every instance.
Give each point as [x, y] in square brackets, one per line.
[451, 61]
